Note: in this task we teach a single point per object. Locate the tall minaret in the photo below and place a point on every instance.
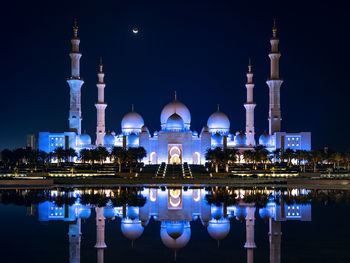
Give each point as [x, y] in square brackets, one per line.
[249, 108]
[275, 240]
[101, 107]
[75, 83]
[100, 234]
[274, 83]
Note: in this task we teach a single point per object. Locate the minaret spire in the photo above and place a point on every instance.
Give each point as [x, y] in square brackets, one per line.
[132, 108]
[274, 83]
[218, 107]
[249, 107]
[101, 107]
[175, 97]
[75, 83]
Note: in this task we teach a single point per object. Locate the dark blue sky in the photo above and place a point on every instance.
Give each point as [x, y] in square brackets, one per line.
[200, 49]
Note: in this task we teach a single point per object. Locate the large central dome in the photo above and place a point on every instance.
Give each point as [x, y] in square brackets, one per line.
[180, 109]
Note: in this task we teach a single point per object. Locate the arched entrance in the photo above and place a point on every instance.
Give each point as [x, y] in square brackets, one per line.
[175, 154]
[153, 158]
[196, 158]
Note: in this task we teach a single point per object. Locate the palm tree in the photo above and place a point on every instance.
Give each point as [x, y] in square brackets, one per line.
[248, 156]
[43, 157]
[346, 157]
[336, 158]
[301, 155]
[85, 155]
[69, 153]
[119, 156]
[315, 156]
[289, 155]
[230, 156]
[94, 154]
[141, 153]
[59, 154]
[102, 154]
[277, 154]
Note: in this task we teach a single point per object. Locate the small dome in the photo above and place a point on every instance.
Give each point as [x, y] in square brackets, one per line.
[240, 139]
[240, 212]
[216, 139]
[132, 122]
[175, 123]
[108, 212]
[178, 108]
[181, 240]
[108, 140]
[131, 229]
[133, 140]
[268, 211]
[84, 212]
[264, 139]
[218, 122]
[219, 229]
[84, 139]
[175, 229]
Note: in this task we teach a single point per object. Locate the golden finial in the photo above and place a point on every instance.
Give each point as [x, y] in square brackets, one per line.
[250, 65]
[274, 29]
[75, 27]
[175, 96]
[101, 65]
[218, 107]
[132, 107]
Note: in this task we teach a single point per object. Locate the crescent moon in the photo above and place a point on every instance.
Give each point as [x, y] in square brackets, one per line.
[135, 30]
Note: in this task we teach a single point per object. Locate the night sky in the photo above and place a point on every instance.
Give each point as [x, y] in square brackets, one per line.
[200, 49]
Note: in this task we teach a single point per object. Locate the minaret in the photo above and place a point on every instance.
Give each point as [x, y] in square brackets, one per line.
[274, 83]
[74, 236]
[249, 108]
[250, 223]
[75, 83]
[100, 234]
[101, 107]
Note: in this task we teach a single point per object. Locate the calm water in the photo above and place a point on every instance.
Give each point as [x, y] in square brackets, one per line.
[149, 225]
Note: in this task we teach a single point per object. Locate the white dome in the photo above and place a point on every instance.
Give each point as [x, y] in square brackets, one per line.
[178, 108]
[182, 235]
[218, 122]
[108, 140]
[264, 139]
[84, 139]
[131, 229]
[175, 123]
[132, 122]
[219, 229]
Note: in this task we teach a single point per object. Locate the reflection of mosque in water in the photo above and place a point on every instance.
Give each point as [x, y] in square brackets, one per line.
[175, 209]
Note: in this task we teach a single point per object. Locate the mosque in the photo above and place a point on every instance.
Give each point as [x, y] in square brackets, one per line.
[175, 142]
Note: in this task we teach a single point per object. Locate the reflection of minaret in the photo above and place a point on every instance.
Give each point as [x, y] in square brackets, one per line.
[100, 234]
[75, 83]
[74, 235]
[274, 83]
[249, 223]
[249, 107]
[275, 240]
[101, 107]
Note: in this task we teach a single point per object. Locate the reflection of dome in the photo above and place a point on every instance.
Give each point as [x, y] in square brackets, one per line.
[132, 122]
[131, 229]
[176, 234]
[108, 140]
[84, 212]
[219, 229]
[133, 140]
[108, 212]
[264, 139]
[178, 108]
[175, 123]
[240, 139]
[240, 212]
[84, 139]
[218, 122]
[267, 211]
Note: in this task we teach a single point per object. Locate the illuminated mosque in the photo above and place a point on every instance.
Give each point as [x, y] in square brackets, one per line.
[176, 210]
[175, 142]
